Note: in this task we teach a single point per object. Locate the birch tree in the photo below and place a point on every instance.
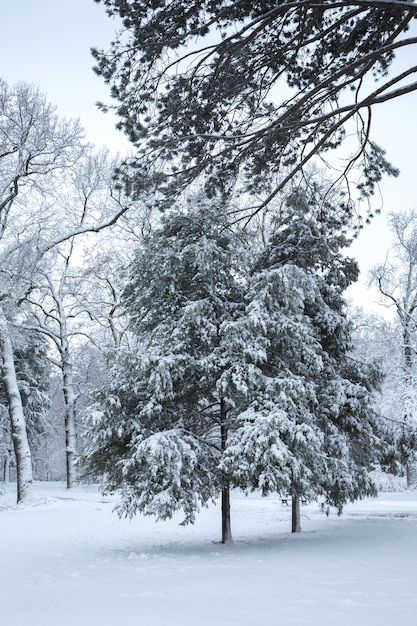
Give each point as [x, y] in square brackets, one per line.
[34, 144]
[33, 379]
[53, 314]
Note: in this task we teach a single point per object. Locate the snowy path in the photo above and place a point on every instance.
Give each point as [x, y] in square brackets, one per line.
[70, 560]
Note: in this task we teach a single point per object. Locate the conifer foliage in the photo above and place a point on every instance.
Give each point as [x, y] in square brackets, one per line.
[241, 374]
[254, 89]
[163, 420]
[311, 429]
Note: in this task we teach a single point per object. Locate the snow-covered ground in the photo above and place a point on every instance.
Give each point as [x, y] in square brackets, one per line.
[67, 559]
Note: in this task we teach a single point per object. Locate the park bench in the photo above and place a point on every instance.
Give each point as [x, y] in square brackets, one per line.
[285, 500]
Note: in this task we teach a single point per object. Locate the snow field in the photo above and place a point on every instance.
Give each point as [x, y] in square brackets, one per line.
[67, 559]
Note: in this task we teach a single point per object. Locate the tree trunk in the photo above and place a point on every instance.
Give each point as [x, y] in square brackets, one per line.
[226, 522]
[17, 418]
[296, 515]
[6, 468]
[409, 396]
[411, 473]
[70, 422]
[226, 519]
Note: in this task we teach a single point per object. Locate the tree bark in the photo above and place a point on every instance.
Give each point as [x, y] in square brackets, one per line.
[6, 468]
[70, 422]
[296, 515]
[226, 518]
[409, 400]
[411, 473]
[68, 383]
[17, 418]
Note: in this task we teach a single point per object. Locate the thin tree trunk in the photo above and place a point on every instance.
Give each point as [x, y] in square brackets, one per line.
[226, 518]
[17, 418]
[296, 515]
[70, 422]
[226, 521]
[411, 473]
[6, 468]
[409, 396]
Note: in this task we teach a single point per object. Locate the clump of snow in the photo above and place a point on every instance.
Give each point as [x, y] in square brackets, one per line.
[388, 482]
[68, 559]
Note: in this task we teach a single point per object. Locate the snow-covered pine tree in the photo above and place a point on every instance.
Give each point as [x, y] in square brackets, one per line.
[311, 428]
[162, 421]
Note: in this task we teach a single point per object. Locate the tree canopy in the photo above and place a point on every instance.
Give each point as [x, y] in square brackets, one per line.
[254, 91]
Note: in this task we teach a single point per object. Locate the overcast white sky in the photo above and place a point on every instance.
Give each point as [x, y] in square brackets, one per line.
[47, 42]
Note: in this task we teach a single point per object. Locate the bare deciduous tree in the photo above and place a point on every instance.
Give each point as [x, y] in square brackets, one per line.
[397, 284]
[50, 192]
